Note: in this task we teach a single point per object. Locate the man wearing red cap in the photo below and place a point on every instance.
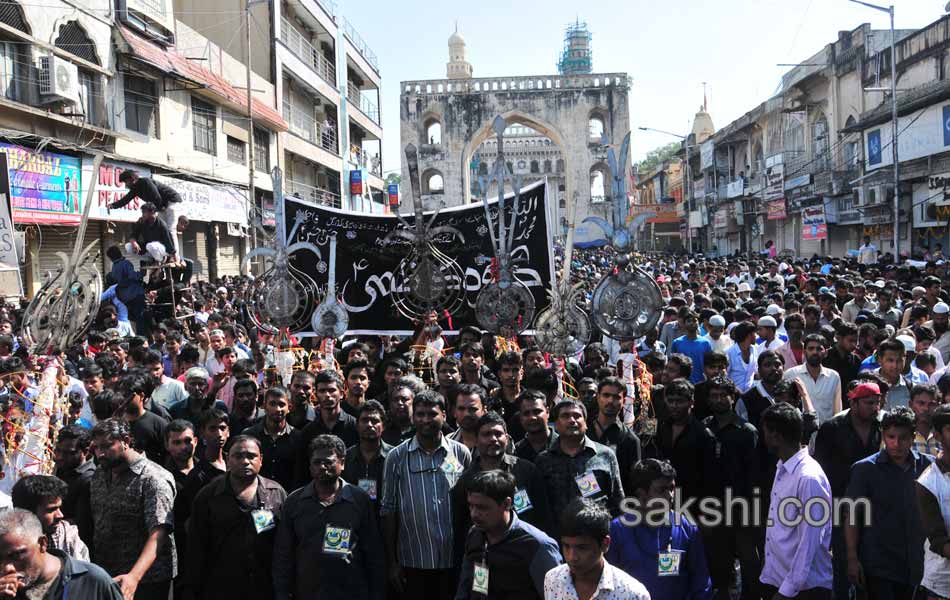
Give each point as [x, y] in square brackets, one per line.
[842, 441]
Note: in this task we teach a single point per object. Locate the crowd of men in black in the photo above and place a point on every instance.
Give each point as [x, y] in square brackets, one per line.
[188, 469]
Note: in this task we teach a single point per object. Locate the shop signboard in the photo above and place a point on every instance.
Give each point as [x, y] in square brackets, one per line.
[776, 210]
[44, 186]
[814, 226]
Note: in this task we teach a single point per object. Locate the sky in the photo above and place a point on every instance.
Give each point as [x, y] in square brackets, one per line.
[668, 48]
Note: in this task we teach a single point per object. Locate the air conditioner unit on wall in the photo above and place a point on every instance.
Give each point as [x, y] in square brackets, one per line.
[59, 80]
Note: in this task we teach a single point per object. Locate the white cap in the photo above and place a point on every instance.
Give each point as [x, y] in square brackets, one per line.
[879, 283]
[910, 344]
[744, 287]
[773, 309]
[941, 308]
[782, 267]
[767, 322]
[717, 321]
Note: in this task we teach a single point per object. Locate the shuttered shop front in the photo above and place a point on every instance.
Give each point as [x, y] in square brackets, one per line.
[48, 240]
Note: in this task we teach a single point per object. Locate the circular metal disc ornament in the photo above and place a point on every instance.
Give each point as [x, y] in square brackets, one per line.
[562, 330]
[498, 308]
[330, 320]
[61, 312]
[429, 281]
[626, 305]
[282, 298]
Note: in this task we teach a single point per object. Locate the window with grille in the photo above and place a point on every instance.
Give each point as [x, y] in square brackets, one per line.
[236, 150]
[12, 14]
[141, 105]
[262, 150]
[204, 126]
[9, 70]
[73, 39]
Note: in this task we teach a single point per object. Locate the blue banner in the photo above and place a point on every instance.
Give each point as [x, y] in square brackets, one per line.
[946, 125]
[874, 147]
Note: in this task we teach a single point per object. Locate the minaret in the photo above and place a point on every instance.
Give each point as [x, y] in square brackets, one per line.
[457, 67]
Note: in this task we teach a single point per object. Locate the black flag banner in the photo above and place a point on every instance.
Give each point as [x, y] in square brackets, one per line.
[365, 263]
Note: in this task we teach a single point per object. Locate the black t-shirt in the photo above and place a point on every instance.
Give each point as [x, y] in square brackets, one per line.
[148, 436]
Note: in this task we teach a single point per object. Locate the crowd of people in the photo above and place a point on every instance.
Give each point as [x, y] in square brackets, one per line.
[778, 435]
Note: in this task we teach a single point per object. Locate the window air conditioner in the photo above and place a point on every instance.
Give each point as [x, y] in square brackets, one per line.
[59, 80]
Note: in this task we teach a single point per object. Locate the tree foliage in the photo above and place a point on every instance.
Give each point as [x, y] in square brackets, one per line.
[657, 156]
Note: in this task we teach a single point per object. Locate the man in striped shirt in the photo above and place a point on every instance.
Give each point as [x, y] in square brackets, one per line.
[416, 507]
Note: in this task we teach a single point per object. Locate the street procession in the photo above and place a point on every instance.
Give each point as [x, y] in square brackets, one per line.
[528, 348]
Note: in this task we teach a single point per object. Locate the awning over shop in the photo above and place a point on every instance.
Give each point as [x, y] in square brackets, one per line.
[176, 65]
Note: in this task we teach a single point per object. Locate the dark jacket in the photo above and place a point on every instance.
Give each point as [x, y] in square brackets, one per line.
[735, 456]
[838, 446]
[79, 580]
[691, 454]
[148, 190]
[303, 568]
[226, 557]
[156, 231]
[128, 281]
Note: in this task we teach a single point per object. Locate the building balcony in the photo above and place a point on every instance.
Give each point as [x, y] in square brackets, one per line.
[306, 127]
[311, 193]
[305, 51]
[359, 44]
[364, 104]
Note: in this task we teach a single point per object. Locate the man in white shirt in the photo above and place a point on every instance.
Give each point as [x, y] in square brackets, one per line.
[822, 384]
[715, 335]
[585, 538]
[867, 253]
[742, 357]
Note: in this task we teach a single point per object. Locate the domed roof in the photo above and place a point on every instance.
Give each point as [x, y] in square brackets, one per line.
[702, 125]
[456, 39]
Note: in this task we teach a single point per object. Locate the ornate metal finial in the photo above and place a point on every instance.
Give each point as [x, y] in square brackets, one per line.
[504, 306]
[426, 279]
[62, 311]
[283, 296]
[626, 303]
[330, 320]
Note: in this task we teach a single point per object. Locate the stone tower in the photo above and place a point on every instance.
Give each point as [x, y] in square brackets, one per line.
[703, 125]
[458, 67]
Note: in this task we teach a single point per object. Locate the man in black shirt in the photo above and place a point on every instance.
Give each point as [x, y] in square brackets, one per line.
[736, 462]
[147, 428]
[363, 465]
[280, 442]
[841, 356]
[685, 442]
[539, 433]
[146, 189]
[609, 430]
[331, 420]
[151, 235]
[842, 441]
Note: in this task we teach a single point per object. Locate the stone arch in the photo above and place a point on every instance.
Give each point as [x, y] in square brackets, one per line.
[599, 182]
[432, 129]
[513, 116]
[433, 182]
[596, 124]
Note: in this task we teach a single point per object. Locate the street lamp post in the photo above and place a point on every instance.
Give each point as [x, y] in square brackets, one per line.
[897, 181]
[687, 183]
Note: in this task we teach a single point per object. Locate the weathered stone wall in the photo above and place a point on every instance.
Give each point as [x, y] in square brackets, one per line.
[556, 106]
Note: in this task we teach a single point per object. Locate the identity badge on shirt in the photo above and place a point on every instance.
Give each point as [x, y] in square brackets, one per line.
[668, 564]
[368, 486]
[263, 520]
[451, 465]
[480, 579]
[587, 484]
[522, 502]
[336, 540]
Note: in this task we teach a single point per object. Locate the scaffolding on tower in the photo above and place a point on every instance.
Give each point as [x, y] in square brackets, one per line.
[576, 57]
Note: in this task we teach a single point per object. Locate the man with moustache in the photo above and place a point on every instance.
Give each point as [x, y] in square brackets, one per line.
[328, 544]
[232, 529]
[539, 434]
[530, 501]
[280, 442]
[399, 420]
[132, 500]
[609, 430]
[501, 548]
[418, 476]
[332, 419]
[364, 462]
[577, 466]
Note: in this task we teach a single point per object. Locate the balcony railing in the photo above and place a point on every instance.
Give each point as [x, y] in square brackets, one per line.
[366, 106]
[305, 126]
[311, 193]
[361, 46]
[329, 6]
[305, 51]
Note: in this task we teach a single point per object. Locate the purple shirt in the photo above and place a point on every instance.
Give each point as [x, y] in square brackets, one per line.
[798, 557]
